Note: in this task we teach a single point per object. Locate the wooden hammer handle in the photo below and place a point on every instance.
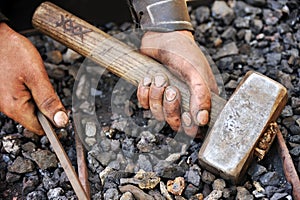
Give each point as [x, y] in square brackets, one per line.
[107, 51]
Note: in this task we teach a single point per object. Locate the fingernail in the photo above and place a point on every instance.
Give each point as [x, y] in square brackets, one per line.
[61, 119]
[186, 119]
[202, 117]
[170, 93]
[159, 80]
[146, 81]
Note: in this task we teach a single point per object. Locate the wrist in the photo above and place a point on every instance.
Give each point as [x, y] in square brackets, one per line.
[161, 15]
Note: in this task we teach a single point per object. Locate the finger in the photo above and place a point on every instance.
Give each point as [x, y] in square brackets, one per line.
[22, 110]
[143, 92]
[171, 107]
[200, 103]
[156, 92]
[45, 97]
[188, 126]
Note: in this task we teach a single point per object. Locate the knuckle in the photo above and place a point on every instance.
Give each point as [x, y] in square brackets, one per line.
[48, 103]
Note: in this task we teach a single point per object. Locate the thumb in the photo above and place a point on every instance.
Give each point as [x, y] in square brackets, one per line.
[46, 98]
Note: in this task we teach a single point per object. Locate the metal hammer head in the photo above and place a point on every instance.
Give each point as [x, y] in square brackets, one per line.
[230, 144]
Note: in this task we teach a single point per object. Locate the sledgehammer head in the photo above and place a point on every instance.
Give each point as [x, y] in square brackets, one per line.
[238, 133]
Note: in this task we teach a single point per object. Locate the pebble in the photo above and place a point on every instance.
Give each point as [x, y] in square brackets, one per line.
[90, 129]
[127, 196]
[55, 193]
[220, 10]
[202, 14]
[11, 146]
[164, 191]
[219, 184]
[44, 159]
[54, 57]
[21, 166]
[12, 177]
[207, 177]
[176, 186]
[227, 50]
[70, 56]
[270, 178]
[243, 193]
[214, 195]
[192, 176]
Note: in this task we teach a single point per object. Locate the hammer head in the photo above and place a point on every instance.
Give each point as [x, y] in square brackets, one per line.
[230, 145]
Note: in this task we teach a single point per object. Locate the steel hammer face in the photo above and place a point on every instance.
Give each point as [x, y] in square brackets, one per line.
[230, 145]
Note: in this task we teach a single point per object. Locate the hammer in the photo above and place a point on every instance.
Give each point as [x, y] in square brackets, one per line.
[240, 127]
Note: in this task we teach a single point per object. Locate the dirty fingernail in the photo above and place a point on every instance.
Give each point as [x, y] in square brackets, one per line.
[159, 80]
[170, 93]
[202, 117]
[61, 119]
[186, 119]
[146, 81]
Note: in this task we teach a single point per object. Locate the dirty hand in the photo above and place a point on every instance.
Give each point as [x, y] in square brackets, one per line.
[25, 83]
[180, 54]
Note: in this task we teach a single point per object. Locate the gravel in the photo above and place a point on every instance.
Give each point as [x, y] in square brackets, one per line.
[122, 139]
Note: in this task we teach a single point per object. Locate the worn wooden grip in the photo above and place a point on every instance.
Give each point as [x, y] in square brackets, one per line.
[107, 51]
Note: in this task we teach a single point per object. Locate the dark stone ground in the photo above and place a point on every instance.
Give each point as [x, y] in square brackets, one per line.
[260, 35]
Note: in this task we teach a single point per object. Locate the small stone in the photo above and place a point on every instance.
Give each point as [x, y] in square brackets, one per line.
[214, 195]
[29, 147]
[29, 184]
[176, 186]
[256, 26]
[168, 170]
[127, 196]
[248, 36]
[11, 177]
[197, 197]
[220, 10]
[21, 166]
[190, 191]
[258, 194]
[90, 141]
[44, 159]
[232, 84]
[50, 182]
[164, 191]
[218, 184]
[285, 79]
[256, 170]
[241, 22]
[243, 193]
[278, 196]
[256, 2]
[295, 151]
[71, 56]
[36, 195]
[54, 57]
[11, 146]
[202, 14]
[144, 163]
[112, 194]
[270, 178]
[54, 193]
[229, 33]
[103, 174]
[90, 129]
[208, 177]
[192, 176]
[273, 59]
[227, 50]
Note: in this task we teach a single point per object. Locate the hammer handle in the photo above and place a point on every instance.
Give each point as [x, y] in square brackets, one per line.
[105, 50]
